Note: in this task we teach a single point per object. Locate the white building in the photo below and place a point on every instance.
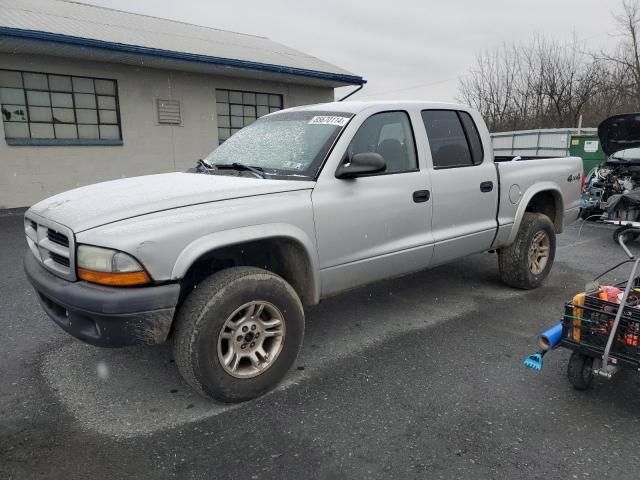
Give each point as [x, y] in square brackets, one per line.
[91, 94]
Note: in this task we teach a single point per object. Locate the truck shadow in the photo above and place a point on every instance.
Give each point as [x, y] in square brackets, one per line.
[137, 391]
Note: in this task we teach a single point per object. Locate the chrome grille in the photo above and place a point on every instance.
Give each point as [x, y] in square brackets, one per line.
[60, 259]
[57, 237]
[52, 244]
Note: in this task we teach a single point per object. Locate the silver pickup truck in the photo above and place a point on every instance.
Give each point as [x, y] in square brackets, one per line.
[304, 203]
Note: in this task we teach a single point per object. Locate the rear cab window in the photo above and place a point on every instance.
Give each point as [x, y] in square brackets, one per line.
[453, 139]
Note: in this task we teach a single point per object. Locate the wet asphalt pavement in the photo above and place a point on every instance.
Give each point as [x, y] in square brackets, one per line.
[418, 377]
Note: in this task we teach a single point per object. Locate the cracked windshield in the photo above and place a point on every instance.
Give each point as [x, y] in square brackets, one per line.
[292, 143]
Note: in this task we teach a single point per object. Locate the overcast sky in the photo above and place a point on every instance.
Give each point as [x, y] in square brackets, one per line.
[406, 49]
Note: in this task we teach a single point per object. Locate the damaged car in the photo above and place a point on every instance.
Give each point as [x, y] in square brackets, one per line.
[612, 190]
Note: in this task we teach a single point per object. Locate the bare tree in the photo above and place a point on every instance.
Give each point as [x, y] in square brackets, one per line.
[624, 62]
[627, 55]
[489, 87]
[540, 84]
[570, 80]
[545, 83]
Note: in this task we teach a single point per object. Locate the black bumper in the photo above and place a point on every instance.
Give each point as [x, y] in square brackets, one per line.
[105, 316]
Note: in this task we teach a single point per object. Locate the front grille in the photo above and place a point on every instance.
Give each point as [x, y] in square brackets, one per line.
[58, 238]
[60, 259]
[52, 244]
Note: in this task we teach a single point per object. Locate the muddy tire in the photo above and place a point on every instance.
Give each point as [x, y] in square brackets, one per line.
[528, 260]
[580, 371]
[238, 333]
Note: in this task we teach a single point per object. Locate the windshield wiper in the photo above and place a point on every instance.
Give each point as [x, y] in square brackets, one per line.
[202, 166]
[241, 166]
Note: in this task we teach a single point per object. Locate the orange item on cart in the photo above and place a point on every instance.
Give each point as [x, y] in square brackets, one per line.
[578, 301]
[631, 339]
[609, 293]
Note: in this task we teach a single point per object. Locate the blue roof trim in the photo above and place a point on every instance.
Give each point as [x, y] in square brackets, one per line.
[55, 142]
[191, 57]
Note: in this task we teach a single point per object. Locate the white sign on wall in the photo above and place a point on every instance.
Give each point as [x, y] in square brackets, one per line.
[591, 146]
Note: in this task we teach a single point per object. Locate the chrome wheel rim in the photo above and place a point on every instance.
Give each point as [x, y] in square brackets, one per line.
[539, 252]
[251, 339]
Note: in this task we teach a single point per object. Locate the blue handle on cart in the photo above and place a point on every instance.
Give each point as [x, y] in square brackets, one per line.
[551, 337]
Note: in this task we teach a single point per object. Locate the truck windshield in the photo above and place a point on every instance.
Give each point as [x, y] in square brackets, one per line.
[283, 144]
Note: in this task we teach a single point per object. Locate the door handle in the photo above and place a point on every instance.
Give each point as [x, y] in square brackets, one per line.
[486, 187]
[420, 196]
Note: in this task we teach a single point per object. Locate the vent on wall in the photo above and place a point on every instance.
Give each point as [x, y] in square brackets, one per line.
[169, 112]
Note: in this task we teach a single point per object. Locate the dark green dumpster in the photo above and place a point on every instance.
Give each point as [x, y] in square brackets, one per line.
[588, 148]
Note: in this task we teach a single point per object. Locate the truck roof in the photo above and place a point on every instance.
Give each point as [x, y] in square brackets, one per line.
[358, 106]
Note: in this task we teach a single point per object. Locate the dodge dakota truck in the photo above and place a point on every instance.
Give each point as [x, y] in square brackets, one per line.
[302, 204]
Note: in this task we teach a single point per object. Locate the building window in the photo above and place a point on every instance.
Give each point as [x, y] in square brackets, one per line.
[237, 109]
[52, 109]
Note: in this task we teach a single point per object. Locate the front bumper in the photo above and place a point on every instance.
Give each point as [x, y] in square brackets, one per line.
[105, 316]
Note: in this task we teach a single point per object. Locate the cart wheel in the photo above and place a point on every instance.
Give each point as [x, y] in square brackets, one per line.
[580, 371]
[628, 236]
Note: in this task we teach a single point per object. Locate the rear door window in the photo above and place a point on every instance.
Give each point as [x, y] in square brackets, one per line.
[450, 147]
[473, 137]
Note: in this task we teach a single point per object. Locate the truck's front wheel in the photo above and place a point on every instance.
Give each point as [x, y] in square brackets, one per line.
[238, 333]
[528, 260]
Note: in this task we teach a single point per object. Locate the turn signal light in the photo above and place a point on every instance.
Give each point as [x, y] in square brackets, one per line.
[124, 279]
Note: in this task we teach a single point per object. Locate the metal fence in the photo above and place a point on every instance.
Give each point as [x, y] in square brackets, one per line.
[554, 142]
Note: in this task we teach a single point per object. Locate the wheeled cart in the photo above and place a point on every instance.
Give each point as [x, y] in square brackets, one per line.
[626, 229]
[604, 332]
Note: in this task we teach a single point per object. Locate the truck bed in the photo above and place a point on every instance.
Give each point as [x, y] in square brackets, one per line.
[516, 179]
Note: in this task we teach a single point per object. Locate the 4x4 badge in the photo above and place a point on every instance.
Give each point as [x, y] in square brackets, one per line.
[573, 178]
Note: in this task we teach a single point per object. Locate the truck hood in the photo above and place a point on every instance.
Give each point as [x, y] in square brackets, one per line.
[620, 132]
[102, 203]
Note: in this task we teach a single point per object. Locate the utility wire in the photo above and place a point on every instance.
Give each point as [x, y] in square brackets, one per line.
[422, 85]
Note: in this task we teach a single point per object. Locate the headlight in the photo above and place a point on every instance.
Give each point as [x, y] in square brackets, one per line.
[109, 267]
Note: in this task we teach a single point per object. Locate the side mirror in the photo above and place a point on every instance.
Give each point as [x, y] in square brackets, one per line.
[361, 164]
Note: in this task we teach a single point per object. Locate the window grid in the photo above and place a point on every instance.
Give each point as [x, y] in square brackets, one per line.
[237, 109]
[110, 109]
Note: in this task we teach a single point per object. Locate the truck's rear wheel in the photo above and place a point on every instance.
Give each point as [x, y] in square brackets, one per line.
[528, 260]
[238, 333]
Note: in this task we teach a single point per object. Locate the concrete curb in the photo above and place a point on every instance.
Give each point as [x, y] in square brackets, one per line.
[9, 212]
